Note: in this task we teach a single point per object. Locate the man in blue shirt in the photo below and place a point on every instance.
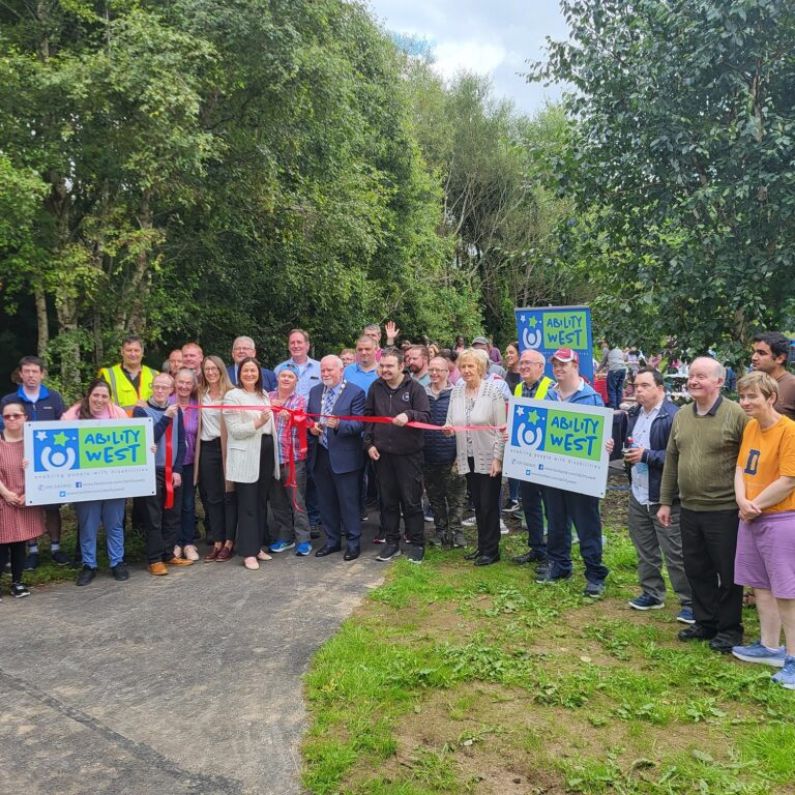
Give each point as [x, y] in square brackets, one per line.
[40, 404]
[308, 368]
[365, 369]
[565, 507]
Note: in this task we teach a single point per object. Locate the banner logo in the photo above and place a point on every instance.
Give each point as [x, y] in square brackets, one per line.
[88, 448]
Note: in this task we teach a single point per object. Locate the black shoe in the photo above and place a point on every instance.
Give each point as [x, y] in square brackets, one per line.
[546, 575]
[531, 556]
[389, 552]
[724, 642]
[351, 554]
[19, 591]
[119, 572]
[415, 553]
[31, 562]
[487, 560]
[60, 558]
[472, 555]
[327, 550]
[86, 575]
[696, 632]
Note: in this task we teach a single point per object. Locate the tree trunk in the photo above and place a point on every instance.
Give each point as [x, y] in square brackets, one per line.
[42, 321]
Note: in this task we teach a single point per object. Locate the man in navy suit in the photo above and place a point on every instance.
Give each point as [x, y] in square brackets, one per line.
[243, 347]
[336, 456]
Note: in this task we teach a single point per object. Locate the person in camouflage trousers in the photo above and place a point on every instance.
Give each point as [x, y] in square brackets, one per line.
[446, 489]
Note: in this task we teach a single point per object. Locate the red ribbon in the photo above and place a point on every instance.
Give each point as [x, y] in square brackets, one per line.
[302, 421]
[169, 477]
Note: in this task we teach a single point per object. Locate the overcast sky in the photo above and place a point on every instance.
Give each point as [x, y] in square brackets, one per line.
[490, 37]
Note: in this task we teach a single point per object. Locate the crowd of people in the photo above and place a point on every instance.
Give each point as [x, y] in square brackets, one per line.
[712, 483]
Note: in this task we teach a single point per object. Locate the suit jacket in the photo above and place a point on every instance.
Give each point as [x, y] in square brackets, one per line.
[243, 442]
[268, 377]
[344, 442]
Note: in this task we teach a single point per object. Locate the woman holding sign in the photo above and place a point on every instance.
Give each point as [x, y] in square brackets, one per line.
[18, 523]
[478, 402]
[97, 405]
[252, 458]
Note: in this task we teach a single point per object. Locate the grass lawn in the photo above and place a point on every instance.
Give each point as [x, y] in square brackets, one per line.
[456, 679]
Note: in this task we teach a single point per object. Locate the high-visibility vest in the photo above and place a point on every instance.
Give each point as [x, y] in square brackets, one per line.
[543, 387]
[122, 392]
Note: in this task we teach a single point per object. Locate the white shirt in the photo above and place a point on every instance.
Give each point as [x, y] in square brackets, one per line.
[641, 436]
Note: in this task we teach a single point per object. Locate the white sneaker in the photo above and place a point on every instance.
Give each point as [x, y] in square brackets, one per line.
[504, 528]
[471, 522]
[191, 553]
[177, 552]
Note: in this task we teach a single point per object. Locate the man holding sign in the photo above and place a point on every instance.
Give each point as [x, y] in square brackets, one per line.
[565, 507]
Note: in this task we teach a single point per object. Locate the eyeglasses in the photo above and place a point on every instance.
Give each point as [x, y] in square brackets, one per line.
[12, 416]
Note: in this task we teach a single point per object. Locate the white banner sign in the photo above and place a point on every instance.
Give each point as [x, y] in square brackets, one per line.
[558, 444]
[80, 460]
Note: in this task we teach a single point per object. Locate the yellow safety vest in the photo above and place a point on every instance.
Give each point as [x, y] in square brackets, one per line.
[122, 392]
[543, 387]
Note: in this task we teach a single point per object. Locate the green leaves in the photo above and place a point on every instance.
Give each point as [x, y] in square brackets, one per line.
[683, 112]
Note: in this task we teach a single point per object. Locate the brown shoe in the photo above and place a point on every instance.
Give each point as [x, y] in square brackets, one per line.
[158, 569]
[224, 554]
[213, 554]
[179, 562]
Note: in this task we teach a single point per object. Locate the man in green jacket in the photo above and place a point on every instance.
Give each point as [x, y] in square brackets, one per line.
[700, 460]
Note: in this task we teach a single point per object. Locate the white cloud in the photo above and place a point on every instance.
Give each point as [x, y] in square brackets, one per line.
[452, 57]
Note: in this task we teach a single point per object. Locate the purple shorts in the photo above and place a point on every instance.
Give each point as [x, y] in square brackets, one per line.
[766, 554]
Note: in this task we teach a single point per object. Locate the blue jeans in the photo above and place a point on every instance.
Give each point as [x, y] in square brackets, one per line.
[564, 507]
[615, 384]
[110, 513]
[513, 489]
[533, 504]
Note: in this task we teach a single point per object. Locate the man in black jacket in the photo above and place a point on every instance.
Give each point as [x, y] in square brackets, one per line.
[397, 453]
[648, 427]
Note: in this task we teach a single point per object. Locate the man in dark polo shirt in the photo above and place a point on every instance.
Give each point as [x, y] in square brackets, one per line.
[770, 353]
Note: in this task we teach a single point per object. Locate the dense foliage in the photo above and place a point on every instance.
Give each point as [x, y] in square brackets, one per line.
[683, 164]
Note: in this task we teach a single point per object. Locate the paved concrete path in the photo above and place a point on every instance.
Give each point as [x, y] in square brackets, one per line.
[189, 683]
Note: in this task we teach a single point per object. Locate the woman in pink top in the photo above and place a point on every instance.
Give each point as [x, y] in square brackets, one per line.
[97, 405]
[18, 523]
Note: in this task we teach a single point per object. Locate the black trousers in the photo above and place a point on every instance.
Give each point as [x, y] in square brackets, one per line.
[252, 504]
[709, 543]
[400, 482]
[162, 524]
[211, 489]
[16, 551]
[485, 493]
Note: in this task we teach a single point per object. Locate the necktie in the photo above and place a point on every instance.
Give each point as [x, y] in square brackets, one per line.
[328, 404]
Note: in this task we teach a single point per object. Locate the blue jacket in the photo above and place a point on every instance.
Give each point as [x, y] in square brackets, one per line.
[49, 406]
[344, 442]
[439, 449]
[654, 456]
[585, 396]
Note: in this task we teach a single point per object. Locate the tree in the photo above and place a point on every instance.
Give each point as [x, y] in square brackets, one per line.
[683, 169]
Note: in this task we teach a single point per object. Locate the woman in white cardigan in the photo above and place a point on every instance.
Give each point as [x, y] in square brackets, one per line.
[252, 459]
[475, 400]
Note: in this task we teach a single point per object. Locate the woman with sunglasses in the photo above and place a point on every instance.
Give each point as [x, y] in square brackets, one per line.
[18, 523]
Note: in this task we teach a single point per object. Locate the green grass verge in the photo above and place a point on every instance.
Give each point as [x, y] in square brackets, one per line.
[454, 679]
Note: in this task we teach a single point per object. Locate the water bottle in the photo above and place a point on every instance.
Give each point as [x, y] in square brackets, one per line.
[640, 467]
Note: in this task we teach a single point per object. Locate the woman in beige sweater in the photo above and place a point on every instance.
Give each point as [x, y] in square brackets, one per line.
[478, 401]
